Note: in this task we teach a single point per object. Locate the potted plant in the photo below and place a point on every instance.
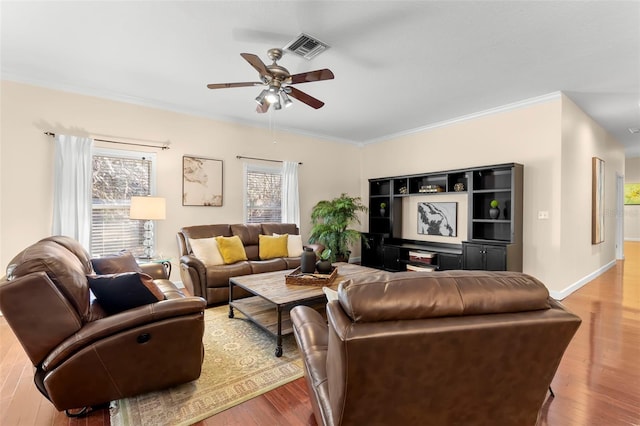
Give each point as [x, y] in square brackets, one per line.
[330, 225]
[383, 207]
[323, 265]
[494, 212]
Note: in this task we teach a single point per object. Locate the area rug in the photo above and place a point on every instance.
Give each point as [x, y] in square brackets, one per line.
[239, 364]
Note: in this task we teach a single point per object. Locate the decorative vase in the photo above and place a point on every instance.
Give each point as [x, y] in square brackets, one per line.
[382, 212]
[494, 213]
[323, 266]
[308, 261]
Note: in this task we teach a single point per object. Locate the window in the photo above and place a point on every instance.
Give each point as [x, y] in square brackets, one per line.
[263, 194]
[117, 176]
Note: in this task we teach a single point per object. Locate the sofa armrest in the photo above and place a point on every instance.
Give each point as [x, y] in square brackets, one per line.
[194, 275]
[122, 321]
[157, 271]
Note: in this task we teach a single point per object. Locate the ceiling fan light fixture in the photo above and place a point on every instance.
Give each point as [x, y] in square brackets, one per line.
[261, 97]
[272, 95]
[285, 99]
[277, 105]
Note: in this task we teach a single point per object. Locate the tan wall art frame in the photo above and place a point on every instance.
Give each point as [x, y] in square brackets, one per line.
[597, 200]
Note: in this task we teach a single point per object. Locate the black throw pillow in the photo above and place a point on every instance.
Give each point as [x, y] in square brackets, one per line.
[120, 292]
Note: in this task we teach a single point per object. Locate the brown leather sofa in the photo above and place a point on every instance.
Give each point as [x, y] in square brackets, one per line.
[82, 355]
[452, 348]
[212, 281]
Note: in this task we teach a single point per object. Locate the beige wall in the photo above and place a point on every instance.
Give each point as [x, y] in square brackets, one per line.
[554, 140]
[583, 139]
[632, 213]
[26, 160]
[535, 136]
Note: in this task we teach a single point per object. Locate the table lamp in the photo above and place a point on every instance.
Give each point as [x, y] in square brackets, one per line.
[148, 209]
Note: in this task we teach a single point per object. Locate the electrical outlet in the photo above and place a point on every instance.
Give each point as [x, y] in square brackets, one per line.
[543, 214]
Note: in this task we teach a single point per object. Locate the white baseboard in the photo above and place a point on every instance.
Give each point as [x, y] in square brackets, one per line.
[632, 239]
[559, 295]
[354, 259]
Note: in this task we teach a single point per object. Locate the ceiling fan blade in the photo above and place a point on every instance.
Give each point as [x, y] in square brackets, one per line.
[317, 75]
[303, 97]
[261, 109]
[228, 85]
[257, 63]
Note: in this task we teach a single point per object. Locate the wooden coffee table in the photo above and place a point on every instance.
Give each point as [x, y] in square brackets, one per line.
[273, 298]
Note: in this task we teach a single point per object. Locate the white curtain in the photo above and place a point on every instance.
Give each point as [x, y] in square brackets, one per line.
[290, 198]
[72, 188]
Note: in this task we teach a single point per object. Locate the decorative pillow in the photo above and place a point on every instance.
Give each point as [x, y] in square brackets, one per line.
[271, 247]
[330, 293]
[294, 245]
[231, 249]
[206, 249]
[115, 264]
[120, 292]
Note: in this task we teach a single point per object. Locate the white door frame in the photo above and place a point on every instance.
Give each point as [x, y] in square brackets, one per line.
[619, 217]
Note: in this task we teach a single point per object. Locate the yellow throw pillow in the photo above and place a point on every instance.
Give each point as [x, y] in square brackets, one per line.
[271, 247]
[231, 249]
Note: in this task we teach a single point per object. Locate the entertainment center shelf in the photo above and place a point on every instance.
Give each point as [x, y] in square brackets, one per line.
[494, 235]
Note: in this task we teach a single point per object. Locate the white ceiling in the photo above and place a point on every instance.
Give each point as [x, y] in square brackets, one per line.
[400, 66]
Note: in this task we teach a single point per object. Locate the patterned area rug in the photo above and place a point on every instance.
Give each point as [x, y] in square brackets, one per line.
[239, 364]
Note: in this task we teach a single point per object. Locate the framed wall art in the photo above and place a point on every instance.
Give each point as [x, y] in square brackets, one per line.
[201, 181]
[632, 193]
[438, 219]
[597, 200]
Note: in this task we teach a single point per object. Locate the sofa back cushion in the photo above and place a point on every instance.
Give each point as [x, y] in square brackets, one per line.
[62, 265]
[271, 228]
[248, 232]
[387, 296]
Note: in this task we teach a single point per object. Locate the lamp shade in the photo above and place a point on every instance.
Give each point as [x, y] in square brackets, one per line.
[148, 208]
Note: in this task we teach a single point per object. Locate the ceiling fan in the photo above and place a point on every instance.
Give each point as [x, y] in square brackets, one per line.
[278, 83]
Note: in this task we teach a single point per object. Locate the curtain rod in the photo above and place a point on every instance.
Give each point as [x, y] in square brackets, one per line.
[240, 157]
[162, 147]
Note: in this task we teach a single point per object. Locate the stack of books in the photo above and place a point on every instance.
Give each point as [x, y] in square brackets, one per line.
[421, 261]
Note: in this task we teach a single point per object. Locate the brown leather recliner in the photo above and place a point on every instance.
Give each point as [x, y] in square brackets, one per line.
[450, 348]
[83, 356]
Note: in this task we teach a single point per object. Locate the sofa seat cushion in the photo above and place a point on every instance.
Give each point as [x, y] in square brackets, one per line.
[219, 276]
[231, 249]
[120, 292]
[271, 265]
[293, 262]
[388, 296]
[271, 246]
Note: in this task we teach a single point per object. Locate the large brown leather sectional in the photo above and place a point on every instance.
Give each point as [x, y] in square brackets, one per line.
[84, 356]
[212, 282]
[452, 348]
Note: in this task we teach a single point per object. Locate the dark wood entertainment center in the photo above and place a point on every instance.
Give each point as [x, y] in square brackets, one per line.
[492, 243]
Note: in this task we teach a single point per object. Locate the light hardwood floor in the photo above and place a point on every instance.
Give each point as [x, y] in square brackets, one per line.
[597, 383]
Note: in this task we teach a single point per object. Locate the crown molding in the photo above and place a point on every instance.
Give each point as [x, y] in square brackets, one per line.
[497, 110]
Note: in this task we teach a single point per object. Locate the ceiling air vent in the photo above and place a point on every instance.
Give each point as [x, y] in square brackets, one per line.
[306, 46]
